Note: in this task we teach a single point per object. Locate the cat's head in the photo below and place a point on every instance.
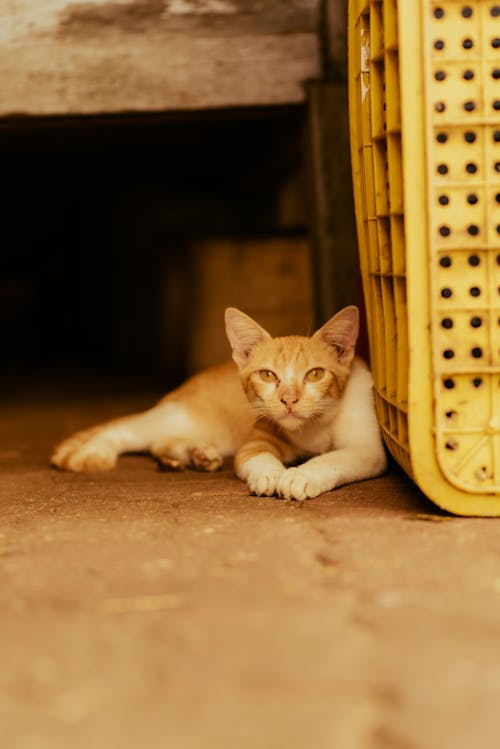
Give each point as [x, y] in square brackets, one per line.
[293, 379]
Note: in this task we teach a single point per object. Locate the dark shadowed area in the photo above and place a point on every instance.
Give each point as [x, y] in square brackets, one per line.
[101, 220]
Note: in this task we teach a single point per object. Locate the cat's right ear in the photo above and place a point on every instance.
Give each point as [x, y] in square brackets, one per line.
[243, 334]
[341, 333]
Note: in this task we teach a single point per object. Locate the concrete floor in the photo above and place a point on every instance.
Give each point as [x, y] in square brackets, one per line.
[144, 609]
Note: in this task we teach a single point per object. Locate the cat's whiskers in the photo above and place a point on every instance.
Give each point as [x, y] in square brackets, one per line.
[320, 410]
[262, 413]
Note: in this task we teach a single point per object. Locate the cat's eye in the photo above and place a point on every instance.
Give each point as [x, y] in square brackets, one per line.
[315, 375]
[267, 376]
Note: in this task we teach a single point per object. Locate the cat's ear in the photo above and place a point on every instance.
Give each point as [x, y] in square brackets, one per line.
[341, 332]
[243, 334]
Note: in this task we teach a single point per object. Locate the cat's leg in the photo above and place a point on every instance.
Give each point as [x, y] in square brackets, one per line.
[98, 448]
[260, 462]
[330, 470]
[167, 431]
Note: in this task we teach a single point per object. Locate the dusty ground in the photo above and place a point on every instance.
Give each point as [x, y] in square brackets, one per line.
[142, 609]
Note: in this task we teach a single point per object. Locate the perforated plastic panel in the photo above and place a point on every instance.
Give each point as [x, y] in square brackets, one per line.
[425, 122]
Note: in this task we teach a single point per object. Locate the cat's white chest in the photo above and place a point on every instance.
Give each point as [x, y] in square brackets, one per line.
[315, 439]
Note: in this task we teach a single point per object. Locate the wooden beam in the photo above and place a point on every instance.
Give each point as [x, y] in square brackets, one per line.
[65, 57]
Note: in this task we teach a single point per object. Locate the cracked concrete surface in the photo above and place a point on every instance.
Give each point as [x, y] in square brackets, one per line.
[144, 609]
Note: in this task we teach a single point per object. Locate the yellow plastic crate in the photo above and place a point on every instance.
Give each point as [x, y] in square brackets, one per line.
[424, 96]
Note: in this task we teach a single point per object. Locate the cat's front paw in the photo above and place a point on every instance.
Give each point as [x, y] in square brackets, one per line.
[264, 484]
[295, 483]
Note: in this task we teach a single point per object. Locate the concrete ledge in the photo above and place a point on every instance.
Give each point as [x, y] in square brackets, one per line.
[84, 58]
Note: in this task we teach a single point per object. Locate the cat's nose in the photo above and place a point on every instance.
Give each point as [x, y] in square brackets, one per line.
[289, 400]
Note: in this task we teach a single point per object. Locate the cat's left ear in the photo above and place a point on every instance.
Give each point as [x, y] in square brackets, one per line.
[341, 332]
[243, 334]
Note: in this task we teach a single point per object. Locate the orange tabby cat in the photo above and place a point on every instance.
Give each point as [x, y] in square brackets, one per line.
[287, 400]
